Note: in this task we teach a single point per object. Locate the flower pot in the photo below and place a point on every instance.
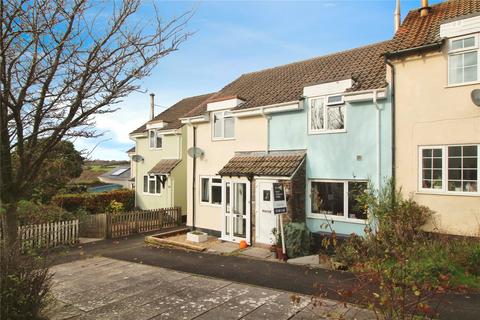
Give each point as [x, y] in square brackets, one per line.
[280, 254]
[197, 236]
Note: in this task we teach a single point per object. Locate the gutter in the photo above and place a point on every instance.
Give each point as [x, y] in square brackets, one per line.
[429, 47]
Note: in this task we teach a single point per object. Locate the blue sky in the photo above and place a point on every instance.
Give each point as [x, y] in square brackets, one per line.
[235, 37]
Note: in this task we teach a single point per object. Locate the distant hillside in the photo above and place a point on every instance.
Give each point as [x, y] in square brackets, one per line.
[94, 168]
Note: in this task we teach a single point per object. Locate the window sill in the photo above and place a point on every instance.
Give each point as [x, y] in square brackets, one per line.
[462, 84]
[152, 194]
[155, 149]
[336, 218]
[208, 204]
[444, 193]
[326, 132]
[222, 139]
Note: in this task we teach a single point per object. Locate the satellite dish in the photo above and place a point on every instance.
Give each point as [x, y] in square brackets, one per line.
[137, 158]
[476, 97]
[195, 152]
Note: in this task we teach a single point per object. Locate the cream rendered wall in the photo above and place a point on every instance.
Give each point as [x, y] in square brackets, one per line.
[430, 113]
[250, 135]
[170, 150]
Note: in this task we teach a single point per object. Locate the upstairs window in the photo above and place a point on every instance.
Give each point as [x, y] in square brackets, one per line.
[463, 60]
[155, 139]
[223, 125]
[327, 114]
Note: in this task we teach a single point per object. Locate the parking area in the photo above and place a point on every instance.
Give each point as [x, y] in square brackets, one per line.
[104, 288]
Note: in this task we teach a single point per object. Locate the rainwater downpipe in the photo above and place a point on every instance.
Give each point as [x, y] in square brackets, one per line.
[194, 175]
[379, 159]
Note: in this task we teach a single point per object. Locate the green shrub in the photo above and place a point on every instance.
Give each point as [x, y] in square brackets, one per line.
[31, 212]
[297, 239]
[25, 284]
[95, 202]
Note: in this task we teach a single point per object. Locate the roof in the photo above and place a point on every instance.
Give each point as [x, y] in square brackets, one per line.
[171, 115]
[132, 149]
[285, 83]
[120, 173]
[263, 164]
[417, 31]
[164, 166]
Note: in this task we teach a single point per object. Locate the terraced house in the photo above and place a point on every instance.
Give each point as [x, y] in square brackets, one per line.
[435, 57]
[160, 154]
[321, 127]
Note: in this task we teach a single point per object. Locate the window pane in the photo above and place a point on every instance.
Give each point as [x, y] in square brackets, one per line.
[334, 99]
[145, 183]
[470, 151]
[216, 194]
[355, 209]
[152, 139]
[427, 174]
[454, 163]
[454, 186]
[457, 44]
[427, 152]
[454, 151]
[470, 163]
[158, 184]
[470, 175]
[470, 186]
[470, 59]
[216, 180]
[470, 74]
[229, 127]
[151, 185]
[437, 153]
[227, 197]
[159, 141]
[205, 190]
[454, 174]
[469, 42]
[437, 163]
[432, 173]
[437, 174]
[316, 114]
[327, 197]
[335, 116]
[217, 124]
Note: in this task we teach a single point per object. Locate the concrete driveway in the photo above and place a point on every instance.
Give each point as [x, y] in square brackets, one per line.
[105, 288]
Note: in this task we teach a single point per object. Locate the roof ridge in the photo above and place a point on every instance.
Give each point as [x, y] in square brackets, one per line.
[317, 57]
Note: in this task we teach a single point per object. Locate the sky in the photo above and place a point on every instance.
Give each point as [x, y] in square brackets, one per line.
[235, 37]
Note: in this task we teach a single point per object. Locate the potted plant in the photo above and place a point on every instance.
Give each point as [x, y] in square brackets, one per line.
[273, 247]
[278, 245]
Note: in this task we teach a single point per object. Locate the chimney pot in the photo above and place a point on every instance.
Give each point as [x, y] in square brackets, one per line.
[425, 9]
[152, 106]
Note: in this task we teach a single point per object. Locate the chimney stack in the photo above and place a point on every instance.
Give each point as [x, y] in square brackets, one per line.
[152, 106]
[424, 9]
[396, 16]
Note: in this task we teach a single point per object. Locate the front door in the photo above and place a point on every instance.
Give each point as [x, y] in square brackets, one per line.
[265, 220]
[236, 210]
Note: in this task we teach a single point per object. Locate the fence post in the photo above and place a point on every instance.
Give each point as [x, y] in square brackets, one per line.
[109, 225]
[179, 215]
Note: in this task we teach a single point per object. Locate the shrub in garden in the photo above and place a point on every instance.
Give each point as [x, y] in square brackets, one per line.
[297, 239]
[25, 284]
[31, 212]
[95, 202]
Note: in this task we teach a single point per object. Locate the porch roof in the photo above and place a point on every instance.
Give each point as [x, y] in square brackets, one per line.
[275, 164]
[164, 166]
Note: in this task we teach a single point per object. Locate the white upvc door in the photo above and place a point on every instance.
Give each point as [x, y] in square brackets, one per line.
[236, 210]
[265, 219]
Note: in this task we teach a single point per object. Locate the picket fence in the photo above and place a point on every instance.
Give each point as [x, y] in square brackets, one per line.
[47, 235]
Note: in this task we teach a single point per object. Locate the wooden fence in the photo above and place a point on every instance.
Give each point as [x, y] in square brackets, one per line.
[47, 235]
[124, 224]
[93, 226]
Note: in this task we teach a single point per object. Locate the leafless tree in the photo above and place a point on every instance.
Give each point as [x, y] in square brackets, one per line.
[61, 63]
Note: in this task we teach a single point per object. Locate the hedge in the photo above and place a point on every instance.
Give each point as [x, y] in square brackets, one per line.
[95, 202]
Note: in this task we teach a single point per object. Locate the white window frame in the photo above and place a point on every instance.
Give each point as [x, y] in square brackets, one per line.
[222, 115]
[345, 217]
[156, 180]
[326, 105]
[454, 52]
[444, 189]
[210, 185]
[156, 136]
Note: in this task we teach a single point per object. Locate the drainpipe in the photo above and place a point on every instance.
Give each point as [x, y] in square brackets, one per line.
[375, 102]
[393, 93]
[267, 117]
[194, 176]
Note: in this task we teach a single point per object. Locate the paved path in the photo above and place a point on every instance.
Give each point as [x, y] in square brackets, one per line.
[274, 275]
[107, 289]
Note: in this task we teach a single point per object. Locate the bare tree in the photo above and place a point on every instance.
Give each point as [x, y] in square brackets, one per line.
[61, 63]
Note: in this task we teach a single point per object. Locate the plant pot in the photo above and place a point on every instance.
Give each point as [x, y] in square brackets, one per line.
[273, 248]
[280, 254]
[197, 236]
